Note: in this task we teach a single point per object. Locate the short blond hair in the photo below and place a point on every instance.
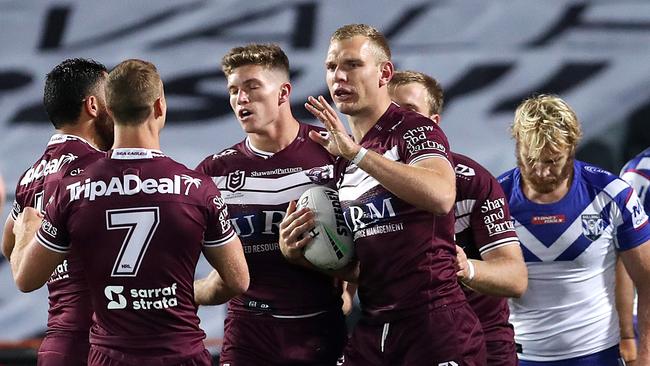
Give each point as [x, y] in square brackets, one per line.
[382, 50]
[269, 56]
[131, 89]
[546, 121]
[434, 98]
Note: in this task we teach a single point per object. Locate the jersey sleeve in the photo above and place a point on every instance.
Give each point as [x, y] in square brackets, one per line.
[640, 181]
[631, 221]
[422, 139]
[490, 220]
[219, 231]
[53, 233]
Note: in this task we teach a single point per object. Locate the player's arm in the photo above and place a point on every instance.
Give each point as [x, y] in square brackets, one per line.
[637, 264]
[429, 184]
[230, 277]
[625, 308]
[502, 272]
[294, 238]
[31, 263]
[8, 238]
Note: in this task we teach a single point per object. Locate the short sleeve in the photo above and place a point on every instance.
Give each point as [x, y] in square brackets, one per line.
[421, 139]
[53, 234]
[219, 230]
[632, 222]
[490, 220]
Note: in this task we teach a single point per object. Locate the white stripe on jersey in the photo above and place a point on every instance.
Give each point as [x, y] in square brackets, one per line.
[569, 236]
[359, 182]
[462, 211]
[266, 191]
[497, 244]
[220, 242]
[49, 245]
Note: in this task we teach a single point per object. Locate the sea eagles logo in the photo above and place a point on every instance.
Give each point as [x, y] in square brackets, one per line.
[592, 226]
[226, 152]
[321, 174]
[236, 180]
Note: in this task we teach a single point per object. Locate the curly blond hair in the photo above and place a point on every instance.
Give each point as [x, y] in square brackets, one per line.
[546, 121]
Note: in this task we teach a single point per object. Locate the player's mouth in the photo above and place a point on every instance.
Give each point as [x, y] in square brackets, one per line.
[343, 95]
[244, 114]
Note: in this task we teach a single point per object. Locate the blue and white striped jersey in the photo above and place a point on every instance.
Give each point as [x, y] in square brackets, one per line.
[570, 249]
[637, 173]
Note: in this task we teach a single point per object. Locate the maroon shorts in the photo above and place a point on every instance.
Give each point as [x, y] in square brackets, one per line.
[501, 353]
[448, 336]
[251, 340]
[64, 350]
[102, 356]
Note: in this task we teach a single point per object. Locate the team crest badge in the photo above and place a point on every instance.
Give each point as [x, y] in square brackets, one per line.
[592, 226]
[236, 180]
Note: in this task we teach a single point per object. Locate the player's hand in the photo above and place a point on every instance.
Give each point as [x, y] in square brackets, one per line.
[26, 225]
[338, 142]
[461, 264]
[293, 228]
[627, 349]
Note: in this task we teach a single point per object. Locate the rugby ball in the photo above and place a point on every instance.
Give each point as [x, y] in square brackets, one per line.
[331, 246]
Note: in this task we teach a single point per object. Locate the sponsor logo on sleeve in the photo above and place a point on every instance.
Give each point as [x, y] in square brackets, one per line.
[418, 140]
[638, 213]
[592, 226]
[48, 228]
[494, 217]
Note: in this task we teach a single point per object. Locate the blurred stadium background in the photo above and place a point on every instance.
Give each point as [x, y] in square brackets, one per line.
[488, 55]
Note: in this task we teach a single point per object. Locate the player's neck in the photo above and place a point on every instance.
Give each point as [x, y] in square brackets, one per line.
[80, 129]
[144, 136]
[278, 136]
[546, 198]
[361, 123]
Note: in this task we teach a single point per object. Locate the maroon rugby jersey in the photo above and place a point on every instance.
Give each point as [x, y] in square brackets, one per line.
[483, 224]
[139, 220]
[405, 266]
[66, 155]
[258, 186]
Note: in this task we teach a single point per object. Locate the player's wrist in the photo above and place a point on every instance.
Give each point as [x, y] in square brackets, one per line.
[471, 272]
[358, 156]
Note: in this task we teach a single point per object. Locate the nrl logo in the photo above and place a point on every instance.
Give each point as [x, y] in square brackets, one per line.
[592, 226]
[236, 180]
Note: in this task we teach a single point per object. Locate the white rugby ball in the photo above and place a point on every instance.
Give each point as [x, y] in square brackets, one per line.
[331, 246]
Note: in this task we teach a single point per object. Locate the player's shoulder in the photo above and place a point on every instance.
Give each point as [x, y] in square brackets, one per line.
[507, 180]
[640, 161]
[215, 164]
[404, 120]
[599, 179]
[471, 175]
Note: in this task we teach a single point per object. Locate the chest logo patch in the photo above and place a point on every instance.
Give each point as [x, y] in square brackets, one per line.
[592, 226]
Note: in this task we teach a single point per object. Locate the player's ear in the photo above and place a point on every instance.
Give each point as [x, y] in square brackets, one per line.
[386, 69]
[285, 92]
[91, 106]
[159, 107]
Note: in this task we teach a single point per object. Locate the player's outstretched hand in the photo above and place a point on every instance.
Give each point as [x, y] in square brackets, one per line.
[338, 142]
[27, 224]
[293, 228]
